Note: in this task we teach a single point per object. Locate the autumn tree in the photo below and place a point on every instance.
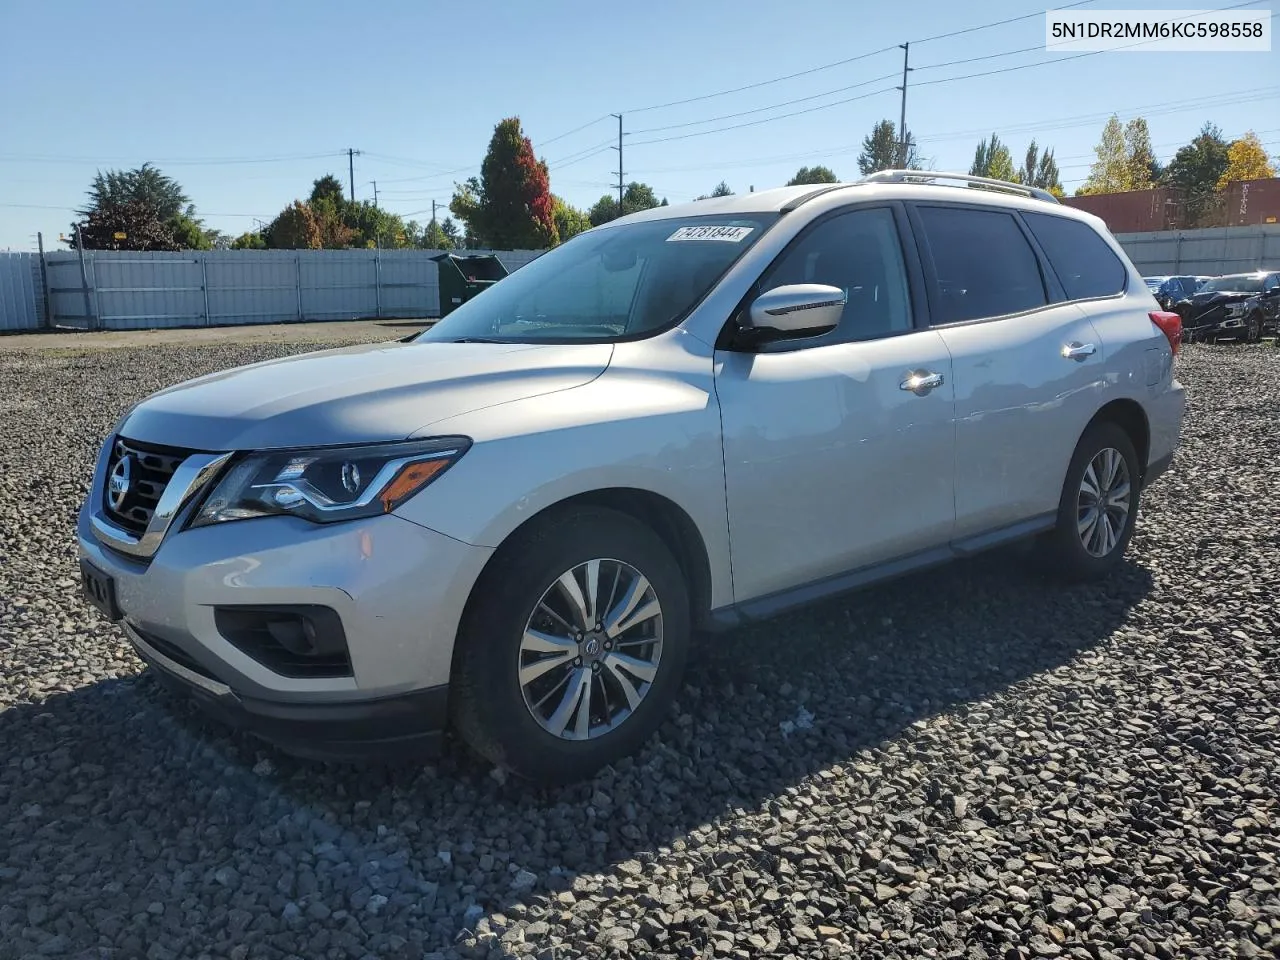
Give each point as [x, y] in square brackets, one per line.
[295, 229]
[1246, 160]
[509, 206]
[1196, 170]
[814, 174]
[635, 197]
[882, 150]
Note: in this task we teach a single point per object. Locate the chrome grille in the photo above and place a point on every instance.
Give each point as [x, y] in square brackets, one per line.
[151, 468]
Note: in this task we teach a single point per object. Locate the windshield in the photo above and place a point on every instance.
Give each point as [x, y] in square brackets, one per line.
[618, 282]
[1242, 284]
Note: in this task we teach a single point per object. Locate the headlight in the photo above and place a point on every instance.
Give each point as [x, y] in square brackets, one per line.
[329, 483]
[1235, 309]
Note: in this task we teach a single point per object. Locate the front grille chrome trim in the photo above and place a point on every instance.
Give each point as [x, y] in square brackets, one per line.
[188, 480]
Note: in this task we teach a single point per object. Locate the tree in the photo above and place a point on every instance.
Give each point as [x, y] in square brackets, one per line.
[570, 221]
[189, 233]
[126, 225]
[295, 229]
[148, 208]
[881, 150]
[1110, 172]
[1246, 160]
[451, 232]
[816, 174]
[721, 190]
[1140, 159]
[1196, 170]
[434, 238]
[331, 187]
[991, 158]
[249, 241]
[1040, 170]
[636, 197]
[509, 205]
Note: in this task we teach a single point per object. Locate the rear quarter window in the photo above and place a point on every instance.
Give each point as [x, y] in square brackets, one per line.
[1086, 266]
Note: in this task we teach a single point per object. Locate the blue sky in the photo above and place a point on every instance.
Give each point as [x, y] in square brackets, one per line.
[283, 88]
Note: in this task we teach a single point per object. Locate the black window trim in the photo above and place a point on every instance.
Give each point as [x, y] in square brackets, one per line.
[1047, 264]
[729, 338]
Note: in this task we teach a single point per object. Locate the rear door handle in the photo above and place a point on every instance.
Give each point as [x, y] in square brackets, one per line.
[1078, 351]
[920, 382]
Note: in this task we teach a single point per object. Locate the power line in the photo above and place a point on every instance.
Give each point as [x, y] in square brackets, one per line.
[1000, 23]
[168, 161]
[843, 62]
[773, 106]
[753, 123]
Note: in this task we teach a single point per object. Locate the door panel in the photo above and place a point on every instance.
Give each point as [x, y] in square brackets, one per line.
[829, 464]
[1021, 406]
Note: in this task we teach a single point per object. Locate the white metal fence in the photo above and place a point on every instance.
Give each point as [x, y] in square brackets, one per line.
[21, 292]
[121, 291]
[110, 290]
[1207, 252]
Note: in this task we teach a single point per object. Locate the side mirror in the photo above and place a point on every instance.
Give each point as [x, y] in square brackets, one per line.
[797, 310]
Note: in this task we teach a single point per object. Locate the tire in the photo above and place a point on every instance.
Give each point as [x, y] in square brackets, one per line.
[1253, 330]
[1067, 554]
[523, 590]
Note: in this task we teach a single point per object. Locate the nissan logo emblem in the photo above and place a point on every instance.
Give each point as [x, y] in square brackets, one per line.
[120, 481]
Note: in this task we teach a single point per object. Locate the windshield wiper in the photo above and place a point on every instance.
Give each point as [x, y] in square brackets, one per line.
[475, 340]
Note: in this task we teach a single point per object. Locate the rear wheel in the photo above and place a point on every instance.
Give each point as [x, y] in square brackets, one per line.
[573, 646]
[1098, 506]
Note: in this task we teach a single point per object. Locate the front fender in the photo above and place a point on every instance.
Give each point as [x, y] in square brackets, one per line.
[650, 422]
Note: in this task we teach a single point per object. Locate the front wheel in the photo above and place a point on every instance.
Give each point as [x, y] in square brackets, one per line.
[1098, 506]
[573, 646]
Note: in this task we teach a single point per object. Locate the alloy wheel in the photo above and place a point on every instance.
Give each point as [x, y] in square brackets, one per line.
[591, 649]
[1102, 507]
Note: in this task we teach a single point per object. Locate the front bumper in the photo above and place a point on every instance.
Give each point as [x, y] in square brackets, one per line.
[398, 588]
[388, 728]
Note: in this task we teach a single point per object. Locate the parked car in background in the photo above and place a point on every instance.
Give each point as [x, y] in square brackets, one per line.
[1169, 290]
[692, 417]
[1240, 306]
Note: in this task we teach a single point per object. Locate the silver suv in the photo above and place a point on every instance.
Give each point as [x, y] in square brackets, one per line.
[689, 418]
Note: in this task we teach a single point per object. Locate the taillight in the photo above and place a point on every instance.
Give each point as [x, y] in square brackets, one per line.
[1170, 325]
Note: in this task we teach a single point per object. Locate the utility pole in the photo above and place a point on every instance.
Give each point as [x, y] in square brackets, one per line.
[433, 211]
[375, 192]
[351, 171]
[620, 173]
[902, 117]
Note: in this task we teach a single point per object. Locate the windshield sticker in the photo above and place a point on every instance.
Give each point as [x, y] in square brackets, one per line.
[730, 234]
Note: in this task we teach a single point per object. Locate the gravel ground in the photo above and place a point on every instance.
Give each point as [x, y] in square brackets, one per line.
[967, 763]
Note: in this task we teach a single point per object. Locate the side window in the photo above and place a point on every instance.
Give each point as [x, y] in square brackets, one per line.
[985, 266]
[860, 253]
[1085, 265]
[1273, 282]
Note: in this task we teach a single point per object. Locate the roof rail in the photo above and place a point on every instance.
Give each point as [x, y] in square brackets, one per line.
[927, 176]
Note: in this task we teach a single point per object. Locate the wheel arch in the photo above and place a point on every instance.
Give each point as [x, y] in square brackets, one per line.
[1129, 415]
[671, 522]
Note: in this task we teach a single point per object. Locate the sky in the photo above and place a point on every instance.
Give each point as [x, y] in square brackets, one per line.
[246, 103]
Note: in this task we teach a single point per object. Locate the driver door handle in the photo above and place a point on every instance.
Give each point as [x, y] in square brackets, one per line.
[1078, 351]
[920, 382]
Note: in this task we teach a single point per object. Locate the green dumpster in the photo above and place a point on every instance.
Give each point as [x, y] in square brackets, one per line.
[461, 278]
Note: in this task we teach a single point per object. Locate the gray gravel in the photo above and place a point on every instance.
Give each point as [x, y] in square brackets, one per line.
[968, 763]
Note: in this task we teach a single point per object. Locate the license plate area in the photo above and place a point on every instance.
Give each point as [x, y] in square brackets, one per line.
[99, 590]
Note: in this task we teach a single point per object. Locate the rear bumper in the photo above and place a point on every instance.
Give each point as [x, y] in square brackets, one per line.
[397, 728]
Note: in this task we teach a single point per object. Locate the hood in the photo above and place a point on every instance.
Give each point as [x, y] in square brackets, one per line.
[361, 394]
[1214, 297]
